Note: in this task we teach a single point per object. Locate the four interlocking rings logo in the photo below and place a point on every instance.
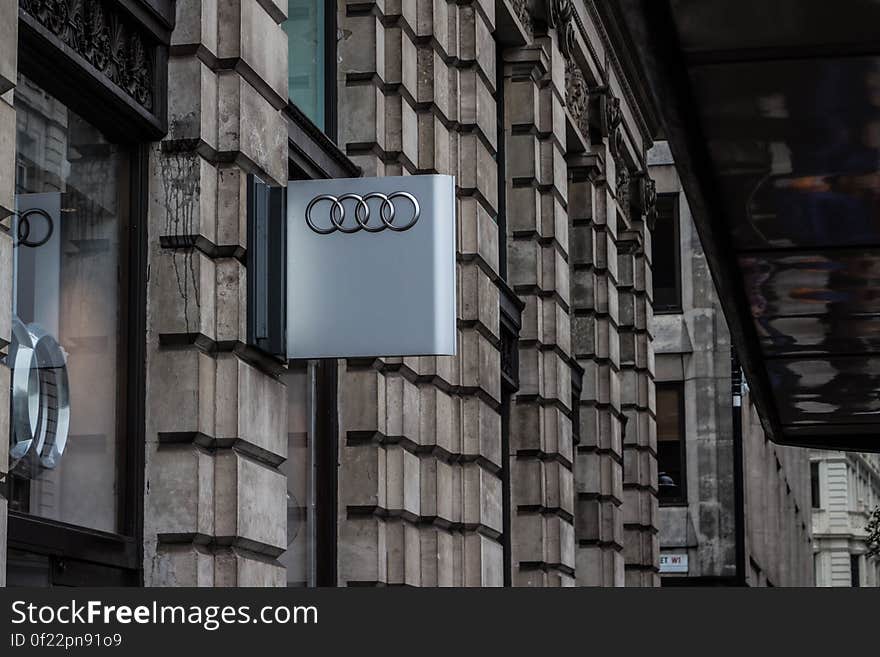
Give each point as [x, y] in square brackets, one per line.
[326, 213]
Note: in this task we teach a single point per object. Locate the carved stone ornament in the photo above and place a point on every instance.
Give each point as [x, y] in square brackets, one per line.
[604, 114]
[576, 96]
[510, 356]
[558, 14]
[623, 190]
[99, 32]
[649, 195]
[642, 197]
[521, 8]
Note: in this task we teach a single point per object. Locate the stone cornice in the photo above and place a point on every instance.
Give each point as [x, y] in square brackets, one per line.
[632, 81]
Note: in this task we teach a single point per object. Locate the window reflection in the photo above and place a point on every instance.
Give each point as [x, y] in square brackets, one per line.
[66, 356]
[299, 470]
[305, 42]
[671, 470]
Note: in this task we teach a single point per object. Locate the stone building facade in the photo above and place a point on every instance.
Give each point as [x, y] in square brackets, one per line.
[526, 106]
[846, 488]
[734, 507]
[529, 459]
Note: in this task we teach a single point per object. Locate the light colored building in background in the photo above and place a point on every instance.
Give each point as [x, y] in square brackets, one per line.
[845, 488]
[721, 522]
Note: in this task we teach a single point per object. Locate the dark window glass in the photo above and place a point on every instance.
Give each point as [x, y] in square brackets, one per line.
[299, 468]
[670, 442]
[666, 254]
[814, 486]
[306, 44]
[67, 354]
[855, 575]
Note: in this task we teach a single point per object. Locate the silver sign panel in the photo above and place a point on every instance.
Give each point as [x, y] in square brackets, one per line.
[371, 267]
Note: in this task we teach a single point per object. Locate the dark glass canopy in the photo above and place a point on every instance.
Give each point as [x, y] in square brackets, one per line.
[772, 111]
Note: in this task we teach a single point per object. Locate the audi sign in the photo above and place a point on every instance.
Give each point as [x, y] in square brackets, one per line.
[371, 267]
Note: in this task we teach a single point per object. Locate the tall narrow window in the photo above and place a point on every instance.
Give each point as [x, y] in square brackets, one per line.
[310, 57]
[854, 570]
[815, 493]
[666, 255]
[671, 469]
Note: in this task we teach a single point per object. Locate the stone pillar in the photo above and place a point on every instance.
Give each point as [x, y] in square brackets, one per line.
[542, 480]
[632, 313]
[599, 457]
[8, 76]
[215, 413]
[419, 479]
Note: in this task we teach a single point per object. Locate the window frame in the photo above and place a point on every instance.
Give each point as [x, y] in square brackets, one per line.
[676, 306]
[81, 555]
[855, 570]
[815, 485]
[682, 498]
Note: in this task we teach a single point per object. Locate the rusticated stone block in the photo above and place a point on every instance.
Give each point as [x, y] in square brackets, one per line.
[180, 490]
[249, 502]
[251, 406]
[192, 101]
[235, 568]
[402, 480]
[481, 496]
[551, 115]
[436, 489]
[478, 300]
[183, 380]
[366, 103]
[180, 565]
[559, 486]
[476, 42]
[183, 197]
[362, 551]
[439, 419]
[477, 233]
[553, 170]
[477, 169]
[482, 561]
[231, 207]
[556, 324]
[438, 561]
[480, 364]
[3, 533]
[557, 432]
[8, 47]
[477, 105]
[182, 287]
[248, 33]
[480, 430]
[403, 542]
[401, 408]
[598, 472]
[5, 391]
[362, 477]
[7, 156]
[362, 401]
[362, 48]
[196, 24]
[248, 124]
[526, 427]
[6, 274]
[434, 142]
[527, 482]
